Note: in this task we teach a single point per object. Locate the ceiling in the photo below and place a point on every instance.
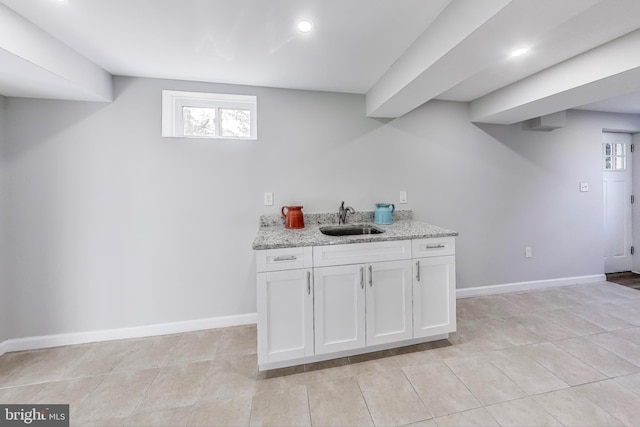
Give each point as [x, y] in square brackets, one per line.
[401, 53]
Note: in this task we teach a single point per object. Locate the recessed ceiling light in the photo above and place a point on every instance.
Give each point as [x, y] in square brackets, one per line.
[520, 51]
[305, 26]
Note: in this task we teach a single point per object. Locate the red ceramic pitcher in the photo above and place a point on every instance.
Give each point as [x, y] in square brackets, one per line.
[293, 218]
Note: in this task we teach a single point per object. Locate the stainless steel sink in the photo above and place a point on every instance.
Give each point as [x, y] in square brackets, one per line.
[350, 230]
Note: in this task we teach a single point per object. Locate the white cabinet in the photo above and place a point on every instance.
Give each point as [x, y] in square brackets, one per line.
[434, 287]
[285, 306]
[337, 300]
[339, 307]
[362, 305]
[389, 307]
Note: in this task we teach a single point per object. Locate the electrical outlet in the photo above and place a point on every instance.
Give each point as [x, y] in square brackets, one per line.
[584, 187]
[527, 252]
[268, 199]
[403, 196]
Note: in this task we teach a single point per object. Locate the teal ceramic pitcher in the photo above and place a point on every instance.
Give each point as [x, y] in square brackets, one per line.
[384, 213]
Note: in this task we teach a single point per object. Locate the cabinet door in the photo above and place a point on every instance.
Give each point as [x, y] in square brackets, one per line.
[434, 296]
[389, 308]
[285, 315]
[339, 308]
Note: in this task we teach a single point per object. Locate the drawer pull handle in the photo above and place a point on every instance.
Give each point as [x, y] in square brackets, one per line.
[370, 276]
[439, 246]
[362, 277]
[285, 258]
[418, 271]
[309, 282]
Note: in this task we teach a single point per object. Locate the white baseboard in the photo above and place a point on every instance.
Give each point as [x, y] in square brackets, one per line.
[46, 341]
[527, 286]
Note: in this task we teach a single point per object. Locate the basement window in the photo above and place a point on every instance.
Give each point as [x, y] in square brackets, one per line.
[615, 156]
[209, 115]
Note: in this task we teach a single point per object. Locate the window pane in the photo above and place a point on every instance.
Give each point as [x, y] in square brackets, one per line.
[199, 121]
[619, 163]
[607, 149]
[607, 162]
[235, 122]
[618, 150]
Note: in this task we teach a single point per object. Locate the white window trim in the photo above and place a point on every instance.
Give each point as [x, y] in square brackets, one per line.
[173, 101]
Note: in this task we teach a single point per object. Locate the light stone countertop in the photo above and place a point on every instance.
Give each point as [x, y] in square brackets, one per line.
[272, 234]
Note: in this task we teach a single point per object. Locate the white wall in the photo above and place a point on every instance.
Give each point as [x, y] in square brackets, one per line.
[4, 287]
[113, 226]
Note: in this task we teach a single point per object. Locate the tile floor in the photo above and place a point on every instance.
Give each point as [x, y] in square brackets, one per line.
[562, 356]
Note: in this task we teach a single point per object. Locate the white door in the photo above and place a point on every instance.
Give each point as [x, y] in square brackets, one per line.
[339, 310]
[434, 296]
[285, 315]
[617, 201]
[389, 308]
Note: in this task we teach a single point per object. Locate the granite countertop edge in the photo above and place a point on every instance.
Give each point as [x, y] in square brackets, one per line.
[277, 236]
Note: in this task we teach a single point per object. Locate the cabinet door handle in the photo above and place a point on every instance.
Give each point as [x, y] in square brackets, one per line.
[418, 271]
[285, 258]
[370, 276]
[438, 246]
[362, 277]
[309, 282]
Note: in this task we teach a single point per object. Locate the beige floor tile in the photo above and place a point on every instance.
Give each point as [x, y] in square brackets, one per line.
[566, 367]
[391, 399]
[448, 397]
[280, 383]
[480, 336]
[492, 306]
[38, 366]
[176, 417]
[373, 366]
[175, 386]
[575, 324]
[597, 357]
[424, 423]
[601, 292]
[531, 302]
[288, 407]
[115, 397]
[620, 290]
[329, 374]
[624, 311]
[227, 412]
[20, 394]
[613, 398]
[197, 346]
[238, 340]
[338, 403]
[632, 382]
[620, 346]
[488, 384]
[564, 296]
[466, 310]
[599, 315]
[71, 392]
[475, 417]
[571, 409]
[525, 372]
[99, 359]
[110, 422]
[543, 327]
[148, 353]
[523, 413]
[630, 334]
[230, 377]
[513, 332]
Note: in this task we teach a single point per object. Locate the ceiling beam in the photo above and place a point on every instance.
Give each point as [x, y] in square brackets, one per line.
[54, 67]
[607, 71]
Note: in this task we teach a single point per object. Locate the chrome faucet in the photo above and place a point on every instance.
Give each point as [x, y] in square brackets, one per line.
[342, 213]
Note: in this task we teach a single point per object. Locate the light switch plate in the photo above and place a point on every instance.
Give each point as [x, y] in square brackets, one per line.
[584, 187]
[268, 199]
[403, 196]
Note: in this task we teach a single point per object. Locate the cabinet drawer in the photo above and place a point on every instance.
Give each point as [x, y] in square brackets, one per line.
[284, 259]
[438, 246]
[356, 253]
